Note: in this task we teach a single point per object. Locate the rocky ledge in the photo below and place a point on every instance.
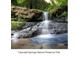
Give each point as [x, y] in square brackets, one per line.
[36, 29]
[26, 14]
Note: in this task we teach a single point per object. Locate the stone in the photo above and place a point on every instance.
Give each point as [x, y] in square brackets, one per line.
[26, 14]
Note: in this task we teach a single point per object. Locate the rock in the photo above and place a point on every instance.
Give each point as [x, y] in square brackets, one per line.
[61, 19]
[27, 31]
[26, 14]
[30, 24]
[59, 14]
[35, 29]
[53, 28]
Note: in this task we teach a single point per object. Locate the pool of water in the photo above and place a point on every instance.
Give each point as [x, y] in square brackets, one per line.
[50, 39]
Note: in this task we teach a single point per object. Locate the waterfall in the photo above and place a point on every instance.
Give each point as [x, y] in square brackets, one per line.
[45, 24]
[45, 15]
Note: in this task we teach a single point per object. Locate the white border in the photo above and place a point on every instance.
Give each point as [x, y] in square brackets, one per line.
[5, 37]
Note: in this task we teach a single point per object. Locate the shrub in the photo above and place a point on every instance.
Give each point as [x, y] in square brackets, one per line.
[16, 25]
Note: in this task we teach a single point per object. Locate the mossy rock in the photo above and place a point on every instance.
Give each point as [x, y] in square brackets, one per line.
[26, 14]
[16, 25]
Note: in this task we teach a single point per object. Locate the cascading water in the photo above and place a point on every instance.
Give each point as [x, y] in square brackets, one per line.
[45, 15]
[44, 25]
[43, 33]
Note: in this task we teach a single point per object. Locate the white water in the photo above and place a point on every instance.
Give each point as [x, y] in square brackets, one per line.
[45, 15]
[45, 26]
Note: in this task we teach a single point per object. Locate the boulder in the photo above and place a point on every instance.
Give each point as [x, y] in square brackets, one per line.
[26, 14]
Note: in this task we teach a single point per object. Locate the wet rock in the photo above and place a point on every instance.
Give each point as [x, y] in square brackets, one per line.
[33, 29]
[53, 28]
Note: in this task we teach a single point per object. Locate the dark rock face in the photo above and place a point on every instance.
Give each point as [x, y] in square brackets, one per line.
[26, 14]
[59, 14]
[61, 19]
[58, 11]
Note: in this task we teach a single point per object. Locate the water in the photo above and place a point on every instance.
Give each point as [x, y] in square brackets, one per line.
[45, 15]
[50, 39]
[44, 25]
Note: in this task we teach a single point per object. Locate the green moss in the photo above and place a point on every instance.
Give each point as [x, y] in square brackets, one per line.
[16, 25]
[64, 14]
[19, 19]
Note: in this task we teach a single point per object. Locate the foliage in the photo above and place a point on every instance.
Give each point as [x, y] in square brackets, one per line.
[18, 2]
[40, 4]
[32, 4]
[17, 25]
[57, 3]
[64, 14]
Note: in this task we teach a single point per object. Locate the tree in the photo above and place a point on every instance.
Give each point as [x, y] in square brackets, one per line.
[32, 4]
